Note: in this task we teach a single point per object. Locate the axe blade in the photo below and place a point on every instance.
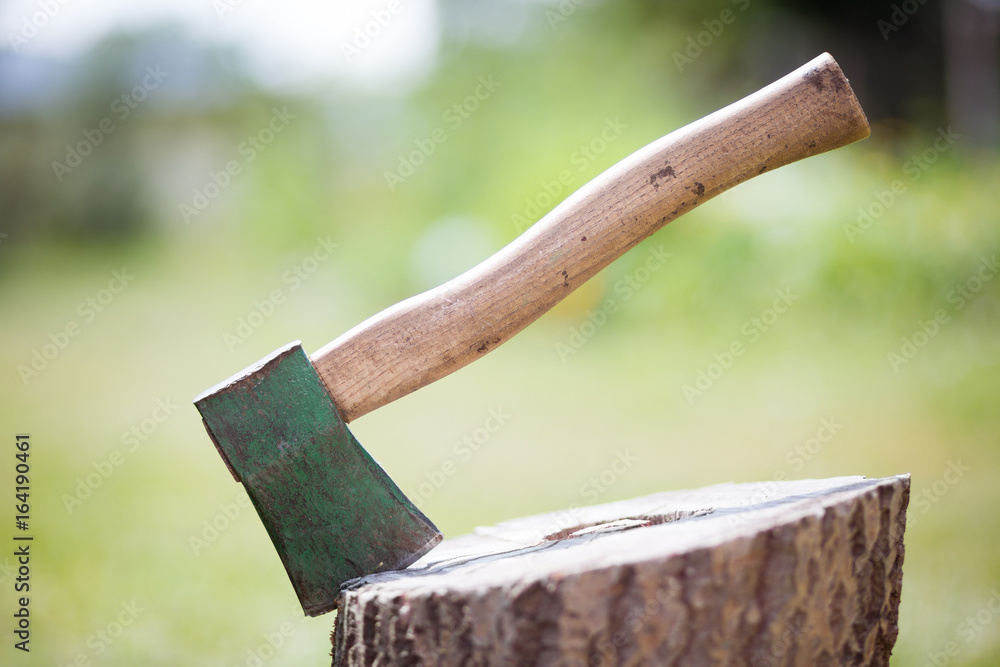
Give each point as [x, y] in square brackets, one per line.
[331, 511]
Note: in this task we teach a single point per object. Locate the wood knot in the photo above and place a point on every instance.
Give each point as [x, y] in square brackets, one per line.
[487, 344]
[661, 174]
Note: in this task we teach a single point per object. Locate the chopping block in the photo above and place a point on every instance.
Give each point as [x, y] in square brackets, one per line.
[764, 574]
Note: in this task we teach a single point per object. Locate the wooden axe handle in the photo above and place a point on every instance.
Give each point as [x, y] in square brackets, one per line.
[428, 336]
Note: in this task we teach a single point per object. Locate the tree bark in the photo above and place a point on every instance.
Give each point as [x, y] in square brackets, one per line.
[776, 573]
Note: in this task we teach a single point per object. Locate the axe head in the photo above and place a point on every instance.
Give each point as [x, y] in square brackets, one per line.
[331, 511]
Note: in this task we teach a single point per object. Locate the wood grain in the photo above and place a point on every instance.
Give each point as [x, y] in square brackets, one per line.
[802, 573]
[424, 338]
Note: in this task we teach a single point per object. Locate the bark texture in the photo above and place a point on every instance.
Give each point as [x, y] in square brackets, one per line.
[777, 573]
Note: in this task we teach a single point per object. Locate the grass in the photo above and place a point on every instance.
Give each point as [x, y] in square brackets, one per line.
[622, 390]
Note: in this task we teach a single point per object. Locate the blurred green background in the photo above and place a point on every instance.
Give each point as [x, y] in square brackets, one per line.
[139, 266]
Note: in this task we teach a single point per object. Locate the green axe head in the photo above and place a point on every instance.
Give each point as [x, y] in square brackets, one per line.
[331, 511]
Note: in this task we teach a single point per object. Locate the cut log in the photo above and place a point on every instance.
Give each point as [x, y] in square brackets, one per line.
[776, 573]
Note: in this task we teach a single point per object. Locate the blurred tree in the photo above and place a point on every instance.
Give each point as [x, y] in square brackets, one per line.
[132, 177]
[972, 36]
[72, 161]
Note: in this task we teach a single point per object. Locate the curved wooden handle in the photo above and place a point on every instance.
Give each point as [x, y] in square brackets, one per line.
[424, 338]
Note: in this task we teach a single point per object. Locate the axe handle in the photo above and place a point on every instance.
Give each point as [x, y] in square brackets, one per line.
[428, 336]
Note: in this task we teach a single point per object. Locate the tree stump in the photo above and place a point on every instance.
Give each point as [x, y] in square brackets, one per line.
[776, 573]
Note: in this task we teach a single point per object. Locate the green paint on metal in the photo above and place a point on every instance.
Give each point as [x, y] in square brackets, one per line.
[331, 511]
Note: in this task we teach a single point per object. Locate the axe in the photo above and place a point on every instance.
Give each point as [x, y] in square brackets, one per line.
[281, 425]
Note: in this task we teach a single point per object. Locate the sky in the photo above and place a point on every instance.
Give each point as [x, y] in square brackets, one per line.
[287, 44]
